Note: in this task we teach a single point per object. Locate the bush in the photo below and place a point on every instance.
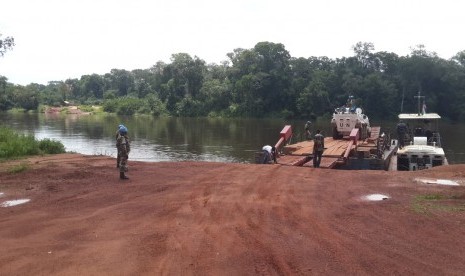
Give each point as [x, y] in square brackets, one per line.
[92, 101]
[129, 106]
[110, 94]
[188, 107]
[157, 107]
[110, 105]
[286, 114]
[14, 145]
[123, 106]
[51, 147]
[144, 109]
[42, 108]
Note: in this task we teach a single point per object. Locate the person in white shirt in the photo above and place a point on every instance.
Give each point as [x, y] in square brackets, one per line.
[269, 154]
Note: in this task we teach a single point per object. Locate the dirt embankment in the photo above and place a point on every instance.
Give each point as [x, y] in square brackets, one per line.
[72, 109]
[193, 218]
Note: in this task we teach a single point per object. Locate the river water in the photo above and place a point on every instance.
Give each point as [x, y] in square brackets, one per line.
[182, 139]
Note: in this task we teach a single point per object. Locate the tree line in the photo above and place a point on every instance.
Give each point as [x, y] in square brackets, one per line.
[264, 81]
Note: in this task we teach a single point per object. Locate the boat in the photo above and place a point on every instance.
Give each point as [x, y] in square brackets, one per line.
[422, 145]
[354, 144]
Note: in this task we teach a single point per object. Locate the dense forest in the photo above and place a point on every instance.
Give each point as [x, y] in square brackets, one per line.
[264, 81]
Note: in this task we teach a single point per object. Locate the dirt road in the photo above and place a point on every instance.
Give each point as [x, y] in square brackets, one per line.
[198, 218]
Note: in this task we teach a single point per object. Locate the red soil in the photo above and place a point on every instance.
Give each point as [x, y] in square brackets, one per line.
[194, 218]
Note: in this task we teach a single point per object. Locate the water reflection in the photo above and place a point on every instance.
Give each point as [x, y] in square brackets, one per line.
[153, 139]
[181, 139]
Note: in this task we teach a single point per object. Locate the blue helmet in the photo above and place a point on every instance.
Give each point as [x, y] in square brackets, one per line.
[122, 129]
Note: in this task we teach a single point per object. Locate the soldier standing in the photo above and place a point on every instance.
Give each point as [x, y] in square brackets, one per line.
[308, 132]
[401, 131]
[123, 146]
[118, 158]
[318, 148]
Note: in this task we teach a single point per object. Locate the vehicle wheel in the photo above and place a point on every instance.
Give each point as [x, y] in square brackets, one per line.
[335, 133]
[364, 132]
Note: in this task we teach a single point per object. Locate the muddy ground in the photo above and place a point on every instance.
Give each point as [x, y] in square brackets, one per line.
[199, 218]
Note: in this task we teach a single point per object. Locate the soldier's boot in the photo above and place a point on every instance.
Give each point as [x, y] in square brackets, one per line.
[122, 176]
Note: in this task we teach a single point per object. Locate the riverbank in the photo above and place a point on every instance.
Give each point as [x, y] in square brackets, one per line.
[226, 218]
[74, 109]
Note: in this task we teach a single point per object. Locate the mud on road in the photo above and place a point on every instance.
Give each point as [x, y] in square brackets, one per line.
[200, 218]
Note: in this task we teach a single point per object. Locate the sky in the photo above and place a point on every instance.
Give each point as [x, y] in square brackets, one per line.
[61, 39]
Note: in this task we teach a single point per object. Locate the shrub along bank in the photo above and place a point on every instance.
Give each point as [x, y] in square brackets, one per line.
[13, 145]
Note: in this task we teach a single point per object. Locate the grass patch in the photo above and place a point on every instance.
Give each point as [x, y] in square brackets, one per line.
[17, 110]
[19, 168]
[426, 204]
[430, 197]
[86, 108]
[14, 145]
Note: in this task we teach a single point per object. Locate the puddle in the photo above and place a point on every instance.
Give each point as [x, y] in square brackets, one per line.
[10, 203]
[375, 197]
[437, 181]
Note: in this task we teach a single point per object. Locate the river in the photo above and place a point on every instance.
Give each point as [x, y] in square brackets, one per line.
[182, 139]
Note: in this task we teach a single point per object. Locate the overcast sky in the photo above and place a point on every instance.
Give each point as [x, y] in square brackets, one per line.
[61, 39]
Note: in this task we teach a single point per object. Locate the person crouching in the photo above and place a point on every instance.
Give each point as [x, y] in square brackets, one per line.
[269, 154]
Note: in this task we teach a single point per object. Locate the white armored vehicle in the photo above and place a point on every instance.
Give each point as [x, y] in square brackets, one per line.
[347, 118]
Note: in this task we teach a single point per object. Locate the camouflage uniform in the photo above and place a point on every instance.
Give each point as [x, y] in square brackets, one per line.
[308, 133]
[123, 146]
[401, 132]
[318, 148]
[118, 158]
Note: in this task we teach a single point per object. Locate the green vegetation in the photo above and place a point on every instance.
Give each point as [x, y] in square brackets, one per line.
[6, 44]
[13, 145]
[19, 168]
[264, 81]
[48, 146]
[428, 203]
[86, 108]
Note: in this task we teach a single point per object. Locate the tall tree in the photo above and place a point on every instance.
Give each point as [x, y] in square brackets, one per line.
[92, 86]
[5, 97]
[6, 44]
[366, 58]
[25, 97]
[74, 88]
[187, 73]
[460, 58]
[261, 77]
[274, 66]
[122, 81]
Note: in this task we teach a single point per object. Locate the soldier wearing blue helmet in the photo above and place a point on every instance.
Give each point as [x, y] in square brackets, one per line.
[123, 146]
[118, 158]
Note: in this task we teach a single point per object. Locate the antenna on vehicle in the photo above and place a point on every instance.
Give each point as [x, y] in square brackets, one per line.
[402, 103]
[419, 101]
